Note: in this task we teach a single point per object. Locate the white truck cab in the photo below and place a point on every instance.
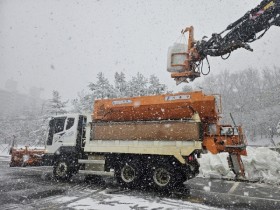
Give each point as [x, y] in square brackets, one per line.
[66, 132]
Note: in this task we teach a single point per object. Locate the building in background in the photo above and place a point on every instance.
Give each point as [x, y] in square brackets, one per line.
[14, 103]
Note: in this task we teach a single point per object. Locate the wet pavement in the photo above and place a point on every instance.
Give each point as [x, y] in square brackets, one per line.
[34, 188]
[231, 194]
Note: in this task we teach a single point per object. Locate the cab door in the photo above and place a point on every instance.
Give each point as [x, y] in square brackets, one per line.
[62, 132]
[69, 135]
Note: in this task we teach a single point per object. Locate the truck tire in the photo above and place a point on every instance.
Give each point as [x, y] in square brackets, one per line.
[128, 173]
[164, 176]
[62, 170]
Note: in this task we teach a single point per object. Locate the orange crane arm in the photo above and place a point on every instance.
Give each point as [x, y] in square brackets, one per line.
[237, 35]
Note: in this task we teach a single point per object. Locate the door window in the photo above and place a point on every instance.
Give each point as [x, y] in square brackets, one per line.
[56, 125]
[70, 123]
[59, 124]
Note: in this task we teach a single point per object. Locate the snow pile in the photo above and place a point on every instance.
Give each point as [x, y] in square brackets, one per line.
[261, 164]
[215, 166]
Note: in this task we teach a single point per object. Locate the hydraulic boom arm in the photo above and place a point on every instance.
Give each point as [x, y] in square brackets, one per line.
[237, 35]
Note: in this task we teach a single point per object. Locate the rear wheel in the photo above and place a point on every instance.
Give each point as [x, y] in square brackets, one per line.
[62, 170]
[163, 176]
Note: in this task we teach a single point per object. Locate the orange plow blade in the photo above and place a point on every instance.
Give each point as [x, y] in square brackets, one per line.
[27, 156]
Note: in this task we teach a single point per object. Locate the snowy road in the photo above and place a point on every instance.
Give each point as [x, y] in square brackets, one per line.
[33, 188]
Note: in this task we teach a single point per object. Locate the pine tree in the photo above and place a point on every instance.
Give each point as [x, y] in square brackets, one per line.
[83, 104]
[138, 85]
[155, 87]
[121, 86]
[102, 88]
[56, 106]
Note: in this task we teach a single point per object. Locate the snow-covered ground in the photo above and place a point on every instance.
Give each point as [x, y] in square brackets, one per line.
[103, 200]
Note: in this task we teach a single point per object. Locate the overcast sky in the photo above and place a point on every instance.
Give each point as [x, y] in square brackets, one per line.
[63, 44]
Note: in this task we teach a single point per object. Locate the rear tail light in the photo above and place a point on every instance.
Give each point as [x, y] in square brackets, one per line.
[190, 158]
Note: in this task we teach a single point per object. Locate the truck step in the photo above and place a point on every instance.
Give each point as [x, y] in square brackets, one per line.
[101, 173]
[91, 161]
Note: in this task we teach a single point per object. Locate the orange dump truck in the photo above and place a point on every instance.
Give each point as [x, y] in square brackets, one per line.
[148, 140]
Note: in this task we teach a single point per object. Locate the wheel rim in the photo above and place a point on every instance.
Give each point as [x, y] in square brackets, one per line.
[127, 173]
[61, 169]
[161, 177]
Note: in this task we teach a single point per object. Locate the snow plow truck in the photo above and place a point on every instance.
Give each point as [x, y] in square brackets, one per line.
[152, 140]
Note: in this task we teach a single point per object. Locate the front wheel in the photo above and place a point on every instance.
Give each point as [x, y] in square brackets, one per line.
[62, 170]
